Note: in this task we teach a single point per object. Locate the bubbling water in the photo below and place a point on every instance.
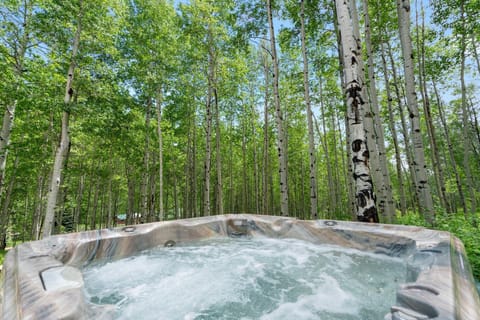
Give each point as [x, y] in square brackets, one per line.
[257, 278]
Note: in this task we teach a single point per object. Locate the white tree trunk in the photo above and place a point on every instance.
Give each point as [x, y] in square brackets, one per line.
[266, 161]
[465, 119]
[146, 167]
[404, 131]
[352, 209]
[422, 77]
[451, 154]
[368, 115]
[208, 132]
[311, 141]
[332, 204]
[161, 214]
[56, 178]
[63, 146]
[109, 204]
[20, 49]
[4, 214]
[281, 142]
[365, 196]
[393, 132]
[218, 156]
[422, 187]
[256, 171]
[8, 119]
[195, 212]
[37, 213]
[385, 184]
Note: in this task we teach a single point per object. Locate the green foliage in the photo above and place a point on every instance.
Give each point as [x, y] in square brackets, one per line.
[462, 228]
[134, 53]
[412, 219]
[2, 256]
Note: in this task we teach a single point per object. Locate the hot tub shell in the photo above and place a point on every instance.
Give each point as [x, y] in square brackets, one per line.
[43, 279]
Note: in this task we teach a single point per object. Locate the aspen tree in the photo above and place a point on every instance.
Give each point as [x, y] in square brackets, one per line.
[385, 182]
[451, 154]
[422, 186]
[437, 167]
[63, 146]
[465, 116]
[266, 144]
[281, 141]
[208, 127]
[146, 165]
[364, 193]
[158, 102]
[218, 156]
[311, 141]
[393, 132]
[19, 50]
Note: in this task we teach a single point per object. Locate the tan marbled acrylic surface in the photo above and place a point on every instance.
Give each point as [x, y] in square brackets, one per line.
[42, 279]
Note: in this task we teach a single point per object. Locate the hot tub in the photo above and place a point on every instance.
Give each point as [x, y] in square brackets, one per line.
[44, 279]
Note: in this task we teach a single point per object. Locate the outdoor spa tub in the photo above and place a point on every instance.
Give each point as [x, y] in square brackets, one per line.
[45, 279]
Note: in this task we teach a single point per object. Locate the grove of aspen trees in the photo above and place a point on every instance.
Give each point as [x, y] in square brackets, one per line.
[134, 111]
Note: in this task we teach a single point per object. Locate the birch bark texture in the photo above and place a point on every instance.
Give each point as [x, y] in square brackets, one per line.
[63, 146]
[311, 141]
[158, 102]
[266, 160]
[19, 52]
[453, 162]
[281, 142]
[422, 187]
[393, 131]
[364, 193]
[208, 126]
[218, 156]
[385, 183]
[465, 117]
[146, 165]
[436, 161]
[367, 114]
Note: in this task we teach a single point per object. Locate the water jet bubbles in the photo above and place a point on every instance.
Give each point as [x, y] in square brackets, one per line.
[242, 278]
